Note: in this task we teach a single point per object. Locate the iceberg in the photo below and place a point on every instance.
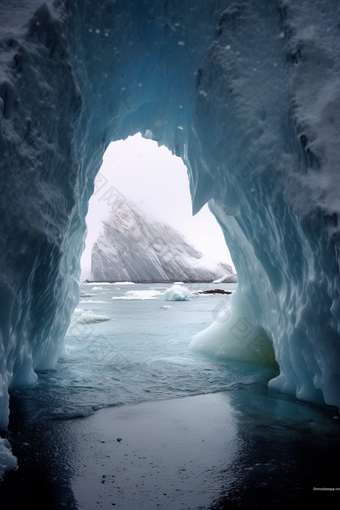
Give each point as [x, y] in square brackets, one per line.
[177, 293]
[246, 93]
[136, 247]
[89, 317]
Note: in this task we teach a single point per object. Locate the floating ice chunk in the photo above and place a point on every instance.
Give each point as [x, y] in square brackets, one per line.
[177, 293]
[102, 283]
[165, 307]
[91, 301]
[140, 294]
[97, 288]
[124, 283]
[78, 311]
[90, 318]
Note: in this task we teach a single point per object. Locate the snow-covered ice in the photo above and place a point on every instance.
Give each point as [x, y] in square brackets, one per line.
[139, 248]
[88, 317]
[177, 293]
[139, 294]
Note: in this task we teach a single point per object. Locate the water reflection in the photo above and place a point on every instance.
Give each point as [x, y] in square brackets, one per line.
[43, 478]
[288, 450]
[247, 448]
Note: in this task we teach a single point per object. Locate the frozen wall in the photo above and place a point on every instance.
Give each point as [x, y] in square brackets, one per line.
[246, 92]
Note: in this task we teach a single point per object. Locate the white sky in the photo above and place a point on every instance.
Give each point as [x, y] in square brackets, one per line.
[157, 182]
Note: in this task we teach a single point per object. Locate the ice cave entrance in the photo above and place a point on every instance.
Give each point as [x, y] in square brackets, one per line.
[156, 181]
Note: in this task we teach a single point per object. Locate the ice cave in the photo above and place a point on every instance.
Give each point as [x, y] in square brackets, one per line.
[247, 93]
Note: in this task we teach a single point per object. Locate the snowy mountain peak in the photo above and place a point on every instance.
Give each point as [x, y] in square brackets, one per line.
[136, 248]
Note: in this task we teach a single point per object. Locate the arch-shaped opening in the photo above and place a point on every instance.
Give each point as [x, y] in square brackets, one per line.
[139, 172]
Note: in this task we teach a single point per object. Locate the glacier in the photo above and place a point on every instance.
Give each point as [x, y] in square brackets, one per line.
[135, 247]
[247, 93]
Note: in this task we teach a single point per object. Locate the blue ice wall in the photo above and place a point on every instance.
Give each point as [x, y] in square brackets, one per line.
[247, 93]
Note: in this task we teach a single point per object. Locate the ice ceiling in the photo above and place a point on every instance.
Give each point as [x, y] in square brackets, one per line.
[246, 92]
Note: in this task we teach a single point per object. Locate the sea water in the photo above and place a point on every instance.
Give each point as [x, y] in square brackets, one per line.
[128, 344]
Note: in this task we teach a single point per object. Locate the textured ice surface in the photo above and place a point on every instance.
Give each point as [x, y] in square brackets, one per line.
[7, 459]
[247, 93]
[136, 247]
[234, 340]
[177, 293]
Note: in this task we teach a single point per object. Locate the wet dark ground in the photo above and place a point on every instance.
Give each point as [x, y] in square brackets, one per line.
[247, 448]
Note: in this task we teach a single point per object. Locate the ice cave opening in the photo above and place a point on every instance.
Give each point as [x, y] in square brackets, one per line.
[246, 93]
[139, 173]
